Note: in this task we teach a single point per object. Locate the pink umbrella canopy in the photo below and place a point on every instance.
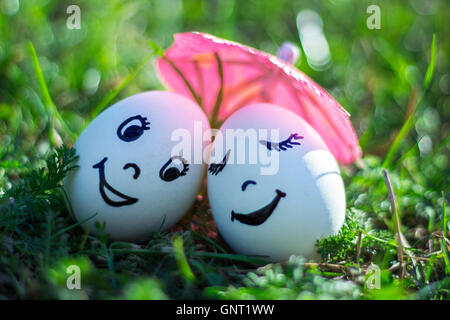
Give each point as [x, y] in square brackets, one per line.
[223, 76]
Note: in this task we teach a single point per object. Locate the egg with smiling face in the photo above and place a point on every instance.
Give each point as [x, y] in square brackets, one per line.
[133, 174]
[273, 186]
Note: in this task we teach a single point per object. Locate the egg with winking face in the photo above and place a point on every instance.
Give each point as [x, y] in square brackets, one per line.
[132, 173]
[274, 188]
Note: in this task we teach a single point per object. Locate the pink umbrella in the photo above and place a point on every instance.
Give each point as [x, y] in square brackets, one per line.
[223, 76]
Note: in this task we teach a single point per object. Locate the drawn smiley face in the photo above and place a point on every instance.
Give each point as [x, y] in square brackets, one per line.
[127, 131]
[283, 213]
[128, 175]
[258, 216]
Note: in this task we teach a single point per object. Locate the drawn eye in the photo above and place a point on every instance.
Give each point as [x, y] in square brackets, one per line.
[283, 145]
[246, 183]
[132, 128]
[215, 168]
[178, 168]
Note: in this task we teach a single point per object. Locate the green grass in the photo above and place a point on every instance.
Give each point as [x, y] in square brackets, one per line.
[394, 81]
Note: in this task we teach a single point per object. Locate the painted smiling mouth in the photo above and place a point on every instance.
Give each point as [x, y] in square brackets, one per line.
[104, 185]
[259, 216]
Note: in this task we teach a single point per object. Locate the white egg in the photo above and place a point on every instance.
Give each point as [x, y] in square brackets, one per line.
[132, 175]
[277, 189]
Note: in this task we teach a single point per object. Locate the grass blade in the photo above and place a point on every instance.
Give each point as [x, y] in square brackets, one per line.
[230, 256]
[47, 99]
[112, 94]
[443, 240]
[430, 69]
[210, 241]
[156, 49]
[444, 216]
[182, 262]
[446, 258]
[409, 123]
[399, 236]
[73, 226]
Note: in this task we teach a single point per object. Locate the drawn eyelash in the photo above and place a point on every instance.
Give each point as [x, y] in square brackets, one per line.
[215, 168]
[283, 145]
[185, 168]
[129, 131]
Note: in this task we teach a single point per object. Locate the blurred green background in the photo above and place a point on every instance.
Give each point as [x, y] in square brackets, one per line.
[376, 75]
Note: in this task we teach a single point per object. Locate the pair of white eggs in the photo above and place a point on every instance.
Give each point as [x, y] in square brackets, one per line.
[134, 177]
